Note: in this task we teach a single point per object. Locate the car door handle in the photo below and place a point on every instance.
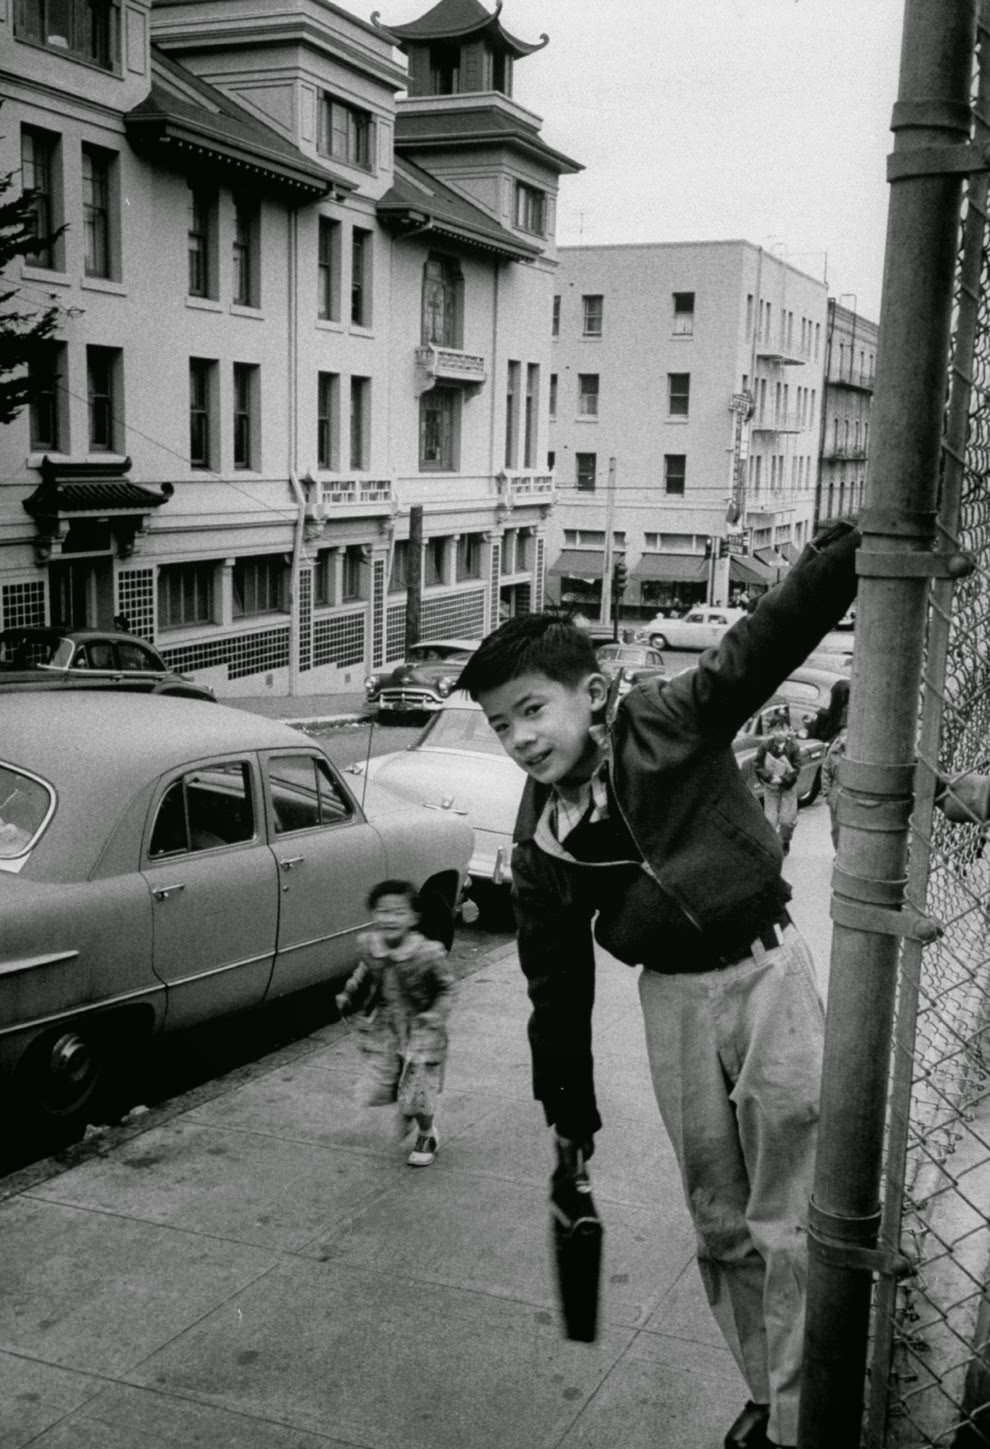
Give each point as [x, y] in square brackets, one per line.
[288, 861]
[162, 893]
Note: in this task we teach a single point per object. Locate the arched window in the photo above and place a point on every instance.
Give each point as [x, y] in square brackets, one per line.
[443, 287]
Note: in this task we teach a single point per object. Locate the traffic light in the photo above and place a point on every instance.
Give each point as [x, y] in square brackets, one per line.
[620, 576]
[708, 547]
[723, 548]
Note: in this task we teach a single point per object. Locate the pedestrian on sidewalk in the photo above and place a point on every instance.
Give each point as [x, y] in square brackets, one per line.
[638, 831]
[401, 992]
[777, 765]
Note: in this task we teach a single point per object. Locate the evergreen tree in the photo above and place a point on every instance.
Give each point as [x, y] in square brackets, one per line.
[23, 330]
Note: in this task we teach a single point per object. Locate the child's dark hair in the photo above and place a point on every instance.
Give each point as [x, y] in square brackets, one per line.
[530, 644]
[393, 888]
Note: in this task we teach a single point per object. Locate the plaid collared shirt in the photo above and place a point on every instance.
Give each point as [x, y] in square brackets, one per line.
[565, 810]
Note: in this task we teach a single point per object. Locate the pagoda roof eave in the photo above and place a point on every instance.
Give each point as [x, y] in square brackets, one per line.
[455, 19]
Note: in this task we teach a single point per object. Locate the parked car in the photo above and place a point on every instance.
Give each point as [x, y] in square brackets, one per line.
[423, 681]
[809, 689]
[848, 620]
[700, 628]
[162, 865]
[631, 663]
[756, 730]
[37, 657]
[458, 766]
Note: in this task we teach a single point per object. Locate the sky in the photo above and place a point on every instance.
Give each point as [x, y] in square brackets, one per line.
[704, 120]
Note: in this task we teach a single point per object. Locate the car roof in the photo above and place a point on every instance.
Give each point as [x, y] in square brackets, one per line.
[99, 750]
[447, 643]
[55, 631]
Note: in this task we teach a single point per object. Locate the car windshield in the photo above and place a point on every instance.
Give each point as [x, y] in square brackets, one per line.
[434, 653]
[25, 804]
[461, 729]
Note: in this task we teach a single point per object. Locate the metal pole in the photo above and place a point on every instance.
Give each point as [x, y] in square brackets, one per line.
[931, 125]
[607, 555]
[414, 576]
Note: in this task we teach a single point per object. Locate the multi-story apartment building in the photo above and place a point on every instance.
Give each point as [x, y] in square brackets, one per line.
[296, 312]
[850, 368]
[685, 400]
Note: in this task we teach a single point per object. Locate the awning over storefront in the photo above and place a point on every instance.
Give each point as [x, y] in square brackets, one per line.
[579, 563]
[770, 557]
[750, 571]
[790, 551]
[674, 568]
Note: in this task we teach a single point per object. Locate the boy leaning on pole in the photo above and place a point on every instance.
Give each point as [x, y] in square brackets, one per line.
[638, 832]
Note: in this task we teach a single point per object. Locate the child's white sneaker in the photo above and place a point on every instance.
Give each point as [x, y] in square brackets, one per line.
[425, 1150]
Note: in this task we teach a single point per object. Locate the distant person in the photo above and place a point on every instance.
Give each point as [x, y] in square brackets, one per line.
[777, 766]
[830, 780]
[636, 830]
[401, 992]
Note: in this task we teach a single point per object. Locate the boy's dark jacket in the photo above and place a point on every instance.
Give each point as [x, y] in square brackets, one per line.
[675, 780]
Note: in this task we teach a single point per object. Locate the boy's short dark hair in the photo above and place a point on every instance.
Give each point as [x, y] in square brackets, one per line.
[530, 644]
[393, 888]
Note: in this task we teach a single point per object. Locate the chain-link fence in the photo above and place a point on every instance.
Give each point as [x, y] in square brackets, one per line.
[930, 1367]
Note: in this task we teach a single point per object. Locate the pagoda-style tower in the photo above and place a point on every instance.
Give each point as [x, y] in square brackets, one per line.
[459, 119]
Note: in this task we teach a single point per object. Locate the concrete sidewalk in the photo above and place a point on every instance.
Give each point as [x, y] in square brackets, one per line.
[304, 708]
[258, 1268]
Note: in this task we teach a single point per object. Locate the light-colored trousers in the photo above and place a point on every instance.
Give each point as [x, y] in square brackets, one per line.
[736, 1057]
[781, 810]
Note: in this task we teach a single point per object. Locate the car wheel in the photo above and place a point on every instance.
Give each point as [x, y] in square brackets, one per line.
[813, 790]
[62, 1081]
[659, 641]
[436, 913]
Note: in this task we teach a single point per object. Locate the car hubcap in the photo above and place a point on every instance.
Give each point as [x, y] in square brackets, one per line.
[70, 1074]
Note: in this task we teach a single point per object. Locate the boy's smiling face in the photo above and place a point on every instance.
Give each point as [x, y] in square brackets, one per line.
[543, 724]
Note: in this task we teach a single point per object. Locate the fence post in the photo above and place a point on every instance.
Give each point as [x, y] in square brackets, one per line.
[931, 126]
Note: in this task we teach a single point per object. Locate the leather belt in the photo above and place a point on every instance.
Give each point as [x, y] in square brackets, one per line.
[769, 937]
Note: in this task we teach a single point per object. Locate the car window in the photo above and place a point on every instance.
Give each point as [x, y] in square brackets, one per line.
[718, 619]
[60, 656]
[206, 808]
[132, 656]
[465, 729]
[25, 806]
[305, 794]
[96, 654]
[608, 651]
[696, 617]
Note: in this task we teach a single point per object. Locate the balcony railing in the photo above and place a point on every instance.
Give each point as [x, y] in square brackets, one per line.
[772, 420]
[529, 483]
[846, 452]
[784, 354]
[449, 365]
[861, 381]
[371, 494]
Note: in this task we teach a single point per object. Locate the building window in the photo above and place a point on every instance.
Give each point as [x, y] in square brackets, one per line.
[259, 585]
[360, 421]
[553, 395]
[361, 277]
[683, 314]
[202, 229]
[103, 385]
[97, 179]
[555, 320]
[46, 413]
[354, 574]
[435, 562]
[345, 132]
[202, 373]
[678, 394]
[328, 420]
[82, 29]
[442, 292]
[439, 418]
[185, 595]
[469, 556]
[531, 415]
[323, 578]
[531, 209]
[585, 468]
[588, 394]
[593, 307]
[398, 579]
[245, 414]
[246, 258]
[328, 270]
[513, 375]
[39, 179]
[674, 471]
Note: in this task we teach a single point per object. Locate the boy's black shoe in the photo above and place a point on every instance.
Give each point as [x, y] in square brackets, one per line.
[750, 1429]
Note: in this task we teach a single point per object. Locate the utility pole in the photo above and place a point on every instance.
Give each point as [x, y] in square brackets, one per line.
[606, 608]
[414, 579]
